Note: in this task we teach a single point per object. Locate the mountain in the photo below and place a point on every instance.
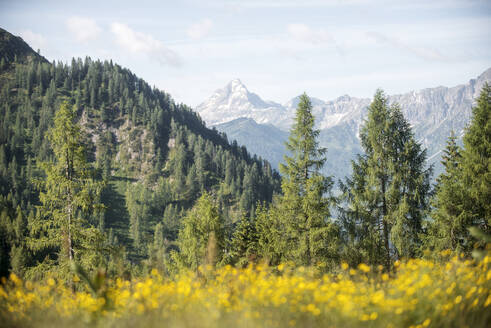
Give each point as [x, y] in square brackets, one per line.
[235, 101]
[264, 139]
[432, 112]
[156, 157]
[13, 47]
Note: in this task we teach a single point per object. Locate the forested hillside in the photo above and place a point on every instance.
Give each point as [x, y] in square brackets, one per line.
[153, 156]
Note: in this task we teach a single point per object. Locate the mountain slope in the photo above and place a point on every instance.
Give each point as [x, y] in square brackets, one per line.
[432, 112]
[263, 139]
[156, 157]
[12, 47]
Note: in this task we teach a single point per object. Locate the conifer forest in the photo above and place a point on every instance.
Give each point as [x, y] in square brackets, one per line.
[119, 207]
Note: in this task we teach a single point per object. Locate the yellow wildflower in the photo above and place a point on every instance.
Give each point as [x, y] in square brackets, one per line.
[363, 267]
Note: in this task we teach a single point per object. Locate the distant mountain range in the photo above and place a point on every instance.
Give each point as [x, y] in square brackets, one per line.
[262, 126]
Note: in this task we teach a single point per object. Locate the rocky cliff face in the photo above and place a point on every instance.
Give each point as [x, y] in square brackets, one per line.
[432, 112]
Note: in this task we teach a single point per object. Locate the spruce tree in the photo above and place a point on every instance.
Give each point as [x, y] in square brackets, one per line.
[446, 230]
[387, 196]
[137, 199]
[158, 249]
[18, 253]
[244, 242]
[67, 189]
[304, 206]
[476, 163]
[464, 189]
[270, 229]
[201, 238]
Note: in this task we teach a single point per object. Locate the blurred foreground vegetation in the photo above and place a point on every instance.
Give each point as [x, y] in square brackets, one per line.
[451, 292]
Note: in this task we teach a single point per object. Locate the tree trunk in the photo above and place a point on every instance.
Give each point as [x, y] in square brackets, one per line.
[69, 241]
[69, 177]
[385, 225]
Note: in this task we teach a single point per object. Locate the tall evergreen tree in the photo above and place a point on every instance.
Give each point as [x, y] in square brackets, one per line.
[67, 189]
[18, 252]
[201, 238]
[387, 196]
[464, 189]
[158, 249]
[271, 242]
[304, 206]
[476, 163]
[446, 229]
[244, 242]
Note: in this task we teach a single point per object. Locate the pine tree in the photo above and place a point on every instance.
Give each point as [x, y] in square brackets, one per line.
[271, 231]
[158, 250]
[476, 163]
[304, 206]
[67, 189]
[447, 230]
[192, 183]
[201, 227]
[18, 253]
[463, 191]
[244, 242]
[137, 198]
[170, 221]
[387, 196]
[247, 197]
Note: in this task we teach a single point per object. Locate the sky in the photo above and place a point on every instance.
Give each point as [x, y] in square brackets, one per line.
[278, 49]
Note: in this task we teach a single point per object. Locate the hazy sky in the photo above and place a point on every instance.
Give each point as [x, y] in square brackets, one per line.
[277, 48]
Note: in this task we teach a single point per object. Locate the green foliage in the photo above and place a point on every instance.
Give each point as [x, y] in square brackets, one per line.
[13, 251]
[158, 254]
[463, 191]
[304, 206]
[243, 248]
[201, 238]
[476, 163]
[447, 230]
[387, 195]
[484, 240]
[271, 244]
[67, 191]
[137, 199]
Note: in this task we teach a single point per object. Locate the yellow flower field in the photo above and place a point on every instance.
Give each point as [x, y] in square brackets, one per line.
[420, 293]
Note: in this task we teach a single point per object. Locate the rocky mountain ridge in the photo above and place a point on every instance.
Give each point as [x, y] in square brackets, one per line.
[432, 112]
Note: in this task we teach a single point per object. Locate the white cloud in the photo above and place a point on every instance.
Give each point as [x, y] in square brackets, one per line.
[423, 52]
[137, 42]
[35, 40]
[304, 33]
[200, 29]
[84, 29]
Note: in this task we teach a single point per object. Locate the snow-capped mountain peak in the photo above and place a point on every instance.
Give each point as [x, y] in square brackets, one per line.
[235, 101]
[235, 88]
